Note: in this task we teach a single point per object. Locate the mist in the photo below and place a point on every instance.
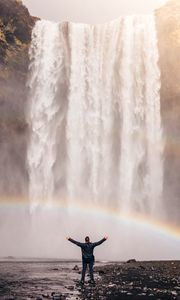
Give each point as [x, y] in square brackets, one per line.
[90, 11]
[43, 235]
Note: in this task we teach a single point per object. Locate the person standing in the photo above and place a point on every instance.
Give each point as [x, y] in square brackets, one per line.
[87, 250]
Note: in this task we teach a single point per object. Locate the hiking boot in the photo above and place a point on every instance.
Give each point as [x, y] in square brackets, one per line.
[92, 282]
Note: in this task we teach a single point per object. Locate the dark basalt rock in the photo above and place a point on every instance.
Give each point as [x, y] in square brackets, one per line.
[131, 261]
[76, 268]
[9, 36]
[101, 272]
[15, 27]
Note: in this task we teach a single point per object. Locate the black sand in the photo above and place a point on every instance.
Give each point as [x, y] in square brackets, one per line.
[57, 281]
[139, 281]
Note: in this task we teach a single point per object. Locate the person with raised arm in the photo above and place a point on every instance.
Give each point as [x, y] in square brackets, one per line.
[87, 250]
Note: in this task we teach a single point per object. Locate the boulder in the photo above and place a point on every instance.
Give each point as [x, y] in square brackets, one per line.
[76, 268]
[133, 260]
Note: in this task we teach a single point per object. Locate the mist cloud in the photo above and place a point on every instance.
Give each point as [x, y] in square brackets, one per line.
[89, 11]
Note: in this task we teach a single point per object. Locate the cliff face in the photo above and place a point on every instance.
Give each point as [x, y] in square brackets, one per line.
[15, 35]
[168, 26]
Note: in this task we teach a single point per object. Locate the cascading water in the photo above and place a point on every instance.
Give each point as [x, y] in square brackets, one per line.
[94, 114]
[48, 81]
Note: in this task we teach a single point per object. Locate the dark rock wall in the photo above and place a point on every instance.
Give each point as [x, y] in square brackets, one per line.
[168, 26]
[15, 36]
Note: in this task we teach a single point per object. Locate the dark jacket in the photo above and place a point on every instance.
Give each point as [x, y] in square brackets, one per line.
[87, 249]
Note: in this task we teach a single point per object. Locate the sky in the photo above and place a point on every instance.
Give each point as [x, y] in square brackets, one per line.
[89, 11]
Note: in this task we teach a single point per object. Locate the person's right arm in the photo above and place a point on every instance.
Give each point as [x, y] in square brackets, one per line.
[74, 242]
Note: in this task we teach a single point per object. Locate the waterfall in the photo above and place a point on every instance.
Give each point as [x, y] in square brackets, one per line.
[94, 115]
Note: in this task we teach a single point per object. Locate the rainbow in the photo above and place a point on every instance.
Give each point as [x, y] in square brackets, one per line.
[134, 219]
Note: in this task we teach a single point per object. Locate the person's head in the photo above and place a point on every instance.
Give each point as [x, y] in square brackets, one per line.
[87, 239]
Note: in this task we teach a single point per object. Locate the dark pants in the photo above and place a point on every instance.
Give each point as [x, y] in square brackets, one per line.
[84, 267]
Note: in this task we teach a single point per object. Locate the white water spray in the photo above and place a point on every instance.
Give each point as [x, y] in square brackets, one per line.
[94, 113]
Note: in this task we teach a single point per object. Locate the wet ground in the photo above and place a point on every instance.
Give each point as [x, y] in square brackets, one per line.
[57, 280]
[37, 280]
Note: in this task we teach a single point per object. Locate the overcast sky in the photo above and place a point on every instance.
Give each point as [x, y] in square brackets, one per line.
[89, 11]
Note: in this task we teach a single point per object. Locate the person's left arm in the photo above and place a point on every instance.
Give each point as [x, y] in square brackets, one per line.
[100, 242]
